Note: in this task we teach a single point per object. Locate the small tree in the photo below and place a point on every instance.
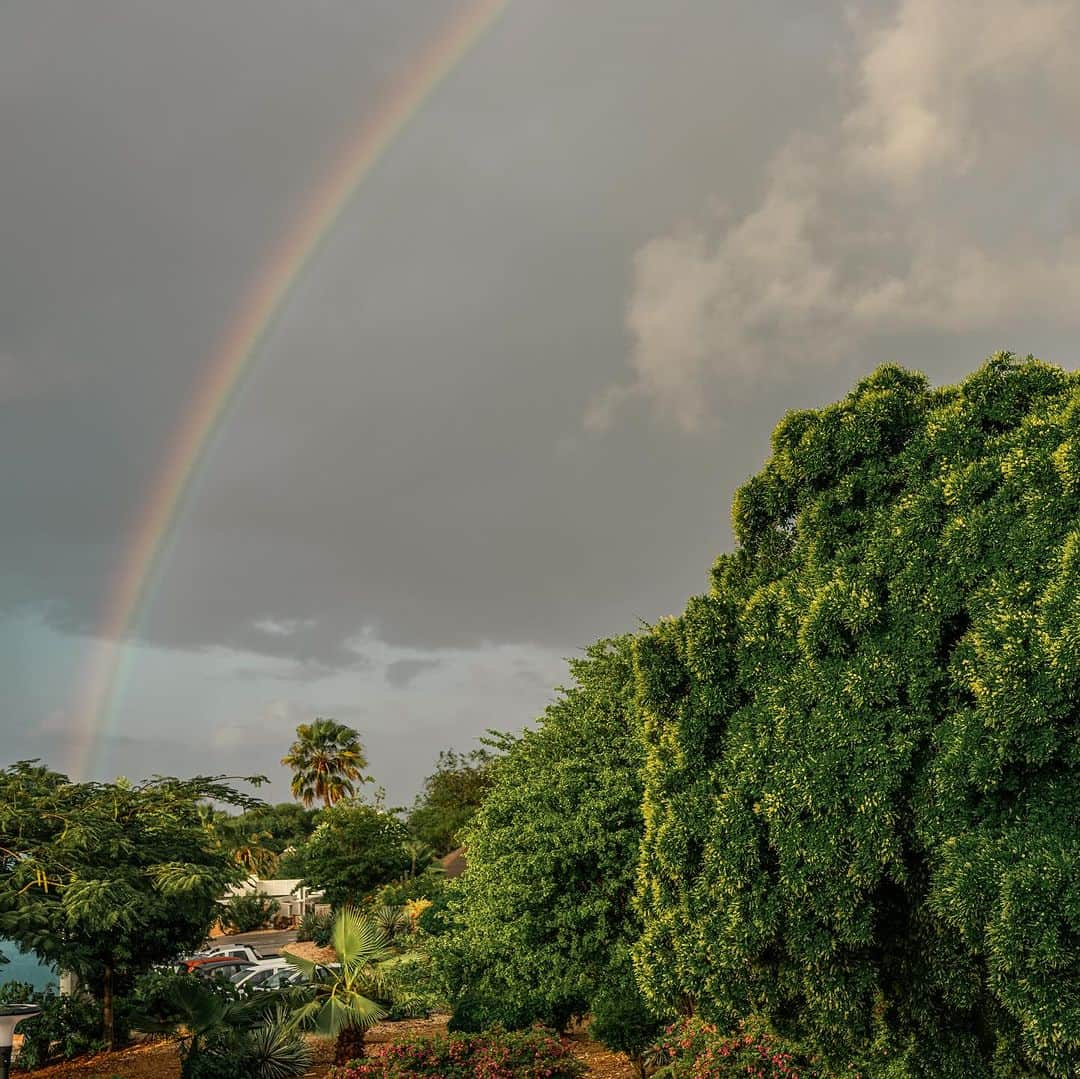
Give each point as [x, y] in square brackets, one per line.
[342, 1003]
[354, 849]
[108, 879]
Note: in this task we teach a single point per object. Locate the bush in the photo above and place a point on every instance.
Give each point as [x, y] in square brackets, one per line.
[244, 913]
[692, 1048]
[413, 985]
[153, 994]
[621, 1020]
[533, 923]
[355, 849]
[67, 1027]
[317, 928]
[476, 1011]
[532, 1054]
[427, 885]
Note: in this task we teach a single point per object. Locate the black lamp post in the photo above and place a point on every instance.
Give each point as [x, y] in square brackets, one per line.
[10, 1014]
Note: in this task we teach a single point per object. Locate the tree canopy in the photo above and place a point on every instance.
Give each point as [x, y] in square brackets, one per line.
[107, 879]
[354, 849]
[451, 796]
[539, 913]
[844, 784]
[862, 799]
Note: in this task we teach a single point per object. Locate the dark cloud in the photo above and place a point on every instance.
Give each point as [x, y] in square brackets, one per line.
[401, 672]
[710, 193]
[408, 456]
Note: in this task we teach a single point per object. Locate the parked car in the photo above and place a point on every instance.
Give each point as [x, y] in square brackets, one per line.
[232, 951]
[215, 966]
[253, 976]
[284, 978]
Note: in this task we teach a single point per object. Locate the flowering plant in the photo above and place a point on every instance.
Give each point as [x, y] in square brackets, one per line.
[495, 1054]
[694, 1049]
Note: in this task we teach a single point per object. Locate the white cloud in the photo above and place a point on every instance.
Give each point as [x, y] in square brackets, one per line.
[912, 213]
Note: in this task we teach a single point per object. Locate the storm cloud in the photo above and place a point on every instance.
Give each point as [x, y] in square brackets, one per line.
[506, 407]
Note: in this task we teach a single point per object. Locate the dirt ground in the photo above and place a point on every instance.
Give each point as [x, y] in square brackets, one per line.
[157, 1060]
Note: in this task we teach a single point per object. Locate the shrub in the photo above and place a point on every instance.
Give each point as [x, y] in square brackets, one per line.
[478, 1010]
[532, 1054]
[67, 1027]
[413, 986]
[692, 1048]
[621, 1020]
[154, 993]
[355, 849]
[244, 913]
[426, 885]
[221, 1034]
[317, 928]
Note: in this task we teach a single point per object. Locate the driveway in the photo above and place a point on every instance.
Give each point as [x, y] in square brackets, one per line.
[266, 942]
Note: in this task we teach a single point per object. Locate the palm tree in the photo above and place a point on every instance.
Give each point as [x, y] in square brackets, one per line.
[255, 1035]
[325, 759]
[343, 1002]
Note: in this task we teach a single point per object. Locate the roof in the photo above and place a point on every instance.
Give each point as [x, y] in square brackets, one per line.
[454, 863]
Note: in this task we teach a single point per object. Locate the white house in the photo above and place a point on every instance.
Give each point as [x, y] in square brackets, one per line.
[294, 900]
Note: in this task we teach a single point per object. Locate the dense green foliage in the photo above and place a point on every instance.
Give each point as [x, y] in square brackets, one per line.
[429, 884]
[260, 836]
[67, 1026]
[107, 879]
[621, 1018]
[450, 798]
[355, 848]
[244, 913]
[539, 913]
[316, 927]
[223, 1035]
[862, 797]
[327, 762]
[494, 1055]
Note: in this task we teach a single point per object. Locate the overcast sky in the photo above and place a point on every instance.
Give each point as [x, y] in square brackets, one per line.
[507, 406]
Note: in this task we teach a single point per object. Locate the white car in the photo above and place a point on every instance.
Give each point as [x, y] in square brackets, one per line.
[233, 951]
[254, 976]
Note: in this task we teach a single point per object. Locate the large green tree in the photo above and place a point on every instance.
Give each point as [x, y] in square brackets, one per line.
[108, 879]
[542, 912]
[354, 849]
[450, 798]
[258, 837]
[327, 761]
[862, 800]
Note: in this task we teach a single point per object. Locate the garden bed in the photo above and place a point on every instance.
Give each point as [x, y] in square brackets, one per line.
[158, 1060]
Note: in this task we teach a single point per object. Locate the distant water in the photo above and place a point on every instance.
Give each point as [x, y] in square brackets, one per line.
[25, 967]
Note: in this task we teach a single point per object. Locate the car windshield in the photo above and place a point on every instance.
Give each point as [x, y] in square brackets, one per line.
[278, 979]
[250, 979]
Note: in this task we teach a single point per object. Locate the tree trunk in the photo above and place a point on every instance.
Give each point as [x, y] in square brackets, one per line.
[349, 1046]
[108, 1019]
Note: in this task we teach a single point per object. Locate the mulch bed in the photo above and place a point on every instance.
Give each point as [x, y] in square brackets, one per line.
[157, 1060]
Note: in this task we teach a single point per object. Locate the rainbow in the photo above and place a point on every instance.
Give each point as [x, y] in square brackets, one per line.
[131, 587]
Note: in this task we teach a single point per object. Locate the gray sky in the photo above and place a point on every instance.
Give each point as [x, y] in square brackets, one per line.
[507, 406]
